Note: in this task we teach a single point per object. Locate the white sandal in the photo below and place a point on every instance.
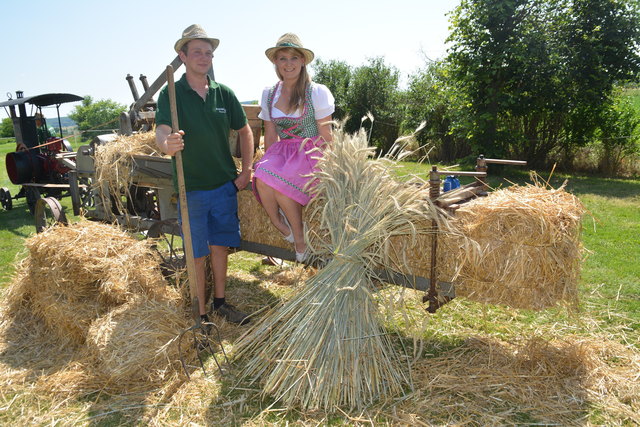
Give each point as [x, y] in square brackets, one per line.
[288, 238]
[303, 256]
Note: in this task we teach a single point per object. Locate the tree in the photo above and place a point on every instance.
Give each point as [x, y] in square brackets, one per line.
[373, 89]
[486, 51]
[432, 97]
[6, 128]
[94, 117]
[539, 73]
[336, 75]
[601, 50]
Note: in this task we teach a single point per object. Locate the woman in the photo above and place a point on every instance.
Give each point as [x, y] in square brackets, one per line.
[296, 114]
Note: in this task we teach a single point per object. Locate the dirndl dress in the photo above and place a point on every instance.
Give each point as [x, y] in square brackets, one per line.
[287, 166]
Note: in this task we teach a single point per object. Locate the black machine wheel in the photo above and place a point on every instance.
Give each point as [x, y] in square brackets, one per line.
[168, 245]
[48, 212]
[33, 195]
[80, 191]
[5, 199]
[142, 201]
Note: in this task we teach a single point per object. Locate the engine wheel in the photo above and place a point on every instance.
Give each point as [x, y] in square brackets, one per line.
[5, 199]
[48, 212]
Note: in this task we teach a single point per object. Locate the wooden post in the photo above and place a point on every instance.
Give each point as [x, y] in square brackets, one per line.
[432, 294]
[481, 166]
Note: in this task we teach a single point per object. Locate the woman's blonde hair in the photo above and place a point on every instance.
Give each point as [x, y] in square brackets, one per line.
[300, 89]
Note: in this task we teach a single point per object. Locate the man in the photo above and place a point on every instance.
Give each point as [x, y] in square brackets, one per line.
[44, 132]
[206, 112]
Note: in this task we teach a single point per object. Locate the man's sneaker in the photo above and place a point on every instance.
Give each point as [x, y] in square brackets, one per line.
[232, 315]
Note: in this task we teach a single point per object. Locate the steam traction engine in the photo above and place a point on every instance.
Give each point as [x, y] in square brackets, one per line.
[42, 161]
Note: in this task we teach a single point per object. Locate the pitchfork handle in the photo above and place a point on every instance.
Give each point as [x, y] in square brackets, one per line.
[182, 192]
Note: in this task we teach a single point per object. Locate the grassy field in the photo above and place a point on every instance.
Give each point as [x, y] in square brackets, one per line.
[458, 353]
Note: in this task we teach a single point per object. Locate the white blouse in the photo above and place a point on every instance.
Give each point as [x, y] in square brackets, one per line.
[323, 101]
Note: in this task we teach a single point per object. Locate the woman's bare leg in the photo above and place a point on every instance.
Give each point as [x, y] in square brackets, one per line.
[293, 212]
[270, 205]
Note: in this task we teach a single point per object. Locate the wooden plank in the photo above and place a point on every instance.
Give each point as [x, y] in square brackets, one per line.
[506, 162]
[459, 196]
[461, 173]
[37, 184]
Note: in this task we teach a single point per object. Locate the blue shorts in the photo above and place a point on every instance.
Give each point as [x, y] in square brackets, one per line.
[213, 218]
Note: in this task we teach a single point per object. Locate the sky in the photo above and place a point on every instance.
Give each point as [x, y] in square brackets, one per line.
[88, 47]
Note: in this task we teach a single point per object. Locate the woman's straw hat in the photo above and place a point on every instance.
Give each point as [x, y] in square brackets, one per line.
[289, 40]
[193, 32]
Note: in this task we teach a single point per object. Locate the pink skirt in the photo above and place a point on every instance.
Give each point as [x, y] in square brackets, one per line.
[287, 168]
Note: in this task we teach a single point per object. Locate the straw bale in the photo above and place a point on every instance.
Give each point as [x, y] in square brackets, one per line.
[518, 246]
[88, 307]
[89, 259]
[18, 294]
[77, 273]
[256, 226]
[26, 342]
[66, 317]
[138, 341]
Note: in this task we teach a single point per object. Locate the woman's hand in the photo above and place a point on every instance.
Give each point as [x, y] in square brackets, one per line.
[325, 128]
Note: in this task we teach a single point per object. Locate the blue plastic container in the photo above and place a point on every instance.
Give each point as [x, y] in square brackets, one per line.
[450, 183]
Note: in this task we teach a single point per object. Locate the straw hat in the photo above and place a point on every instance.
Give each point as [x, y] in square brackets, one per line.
[193, 32]
[289, 40]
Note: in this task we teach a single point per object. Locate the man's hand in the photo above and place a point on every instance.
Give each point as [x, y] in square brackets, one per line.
[242, 180]
[174, 143]
[167, 141]
[246, 148]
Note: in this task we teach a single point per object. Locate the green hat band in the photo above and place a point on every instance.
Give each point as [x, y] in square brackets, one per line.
[288, 44]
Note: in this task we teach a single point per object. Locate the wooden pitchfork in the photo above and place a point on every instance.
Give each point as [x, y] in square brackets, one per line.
[200, 330]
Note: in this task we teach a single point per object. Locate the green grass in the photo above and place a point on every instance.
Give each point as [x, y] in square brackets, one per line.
[609, 294]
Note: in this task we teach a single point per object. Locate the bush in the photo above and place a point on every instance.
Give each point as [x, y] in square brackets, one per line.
[619, 135]
[6, 128]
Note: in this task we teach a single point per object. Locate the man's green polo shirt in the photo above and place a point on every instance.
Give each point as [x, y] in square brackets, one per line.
[206, 157]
